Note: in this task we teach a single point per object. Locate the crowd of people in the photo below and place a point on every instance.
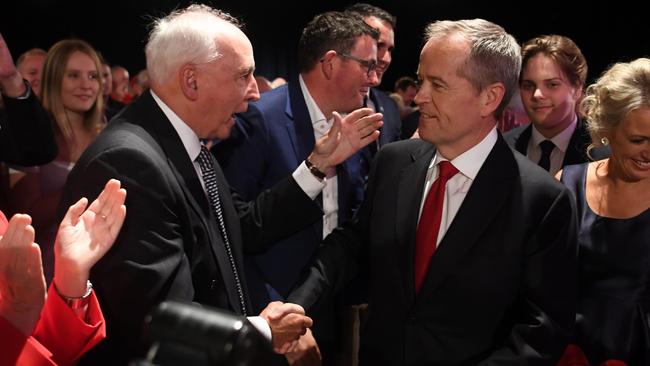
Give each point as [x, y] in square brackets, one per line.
[493, 210]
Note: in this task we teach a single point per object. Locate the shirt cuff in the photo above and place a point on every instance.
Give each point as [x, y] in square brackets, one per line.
[260, 324]
[306, 180]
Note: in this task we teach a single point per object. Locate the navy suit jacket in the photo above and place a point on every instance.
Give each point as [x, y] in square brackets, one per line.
[500, 288]
[390, 131]
[576, 153]
[271, 139]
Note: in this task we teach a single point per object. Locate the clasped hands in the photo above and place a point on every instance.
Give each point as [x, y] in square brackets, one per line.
[288, 323]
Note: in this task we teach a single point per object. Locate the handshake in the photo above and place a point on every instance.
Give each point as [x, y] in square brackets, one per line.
[288, 324]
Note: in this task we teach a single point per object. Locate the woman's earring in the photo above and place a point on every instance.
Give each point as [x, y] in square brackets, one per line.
[604, 141]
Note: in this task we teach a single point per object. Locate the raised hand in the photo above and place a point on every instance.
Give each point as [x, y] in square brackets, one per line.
[347, 136]
[85, 235]
[288, 322]
[10, 79]
[22, 285]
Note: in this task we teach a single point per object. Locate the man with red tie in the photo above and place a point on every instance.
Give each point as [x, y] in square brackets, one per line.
[469, 248]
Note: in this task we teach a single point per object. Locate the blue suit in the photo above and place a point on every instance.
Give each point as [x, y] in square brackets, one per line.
[268, 143]
[390, 131]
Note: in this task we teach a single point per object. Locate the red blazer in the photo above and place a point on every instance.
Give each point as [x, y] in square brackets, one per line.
[60, 337]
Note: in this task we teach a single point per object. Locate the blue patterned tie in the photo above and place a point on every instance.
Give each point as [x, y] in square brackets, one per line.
[210, 179]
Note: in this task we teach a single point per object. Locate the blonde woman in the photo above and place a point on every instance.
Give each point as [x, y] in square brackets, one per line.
[613, 200]
[71, 92]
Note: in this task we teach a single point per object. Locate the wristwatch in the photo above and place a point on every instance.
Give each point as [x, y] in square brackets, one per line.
[77, 302]
[315, 171]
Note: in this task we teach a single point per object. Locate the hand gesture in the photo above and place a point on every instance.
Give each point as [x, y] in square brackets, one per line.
[288, 322]
[305, 352]
[10, 79]
[22, 285]
[85, 235]
[347, 136]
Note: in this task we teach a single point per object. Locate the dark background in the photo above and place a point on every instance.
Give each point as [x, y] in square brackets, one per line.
[606, 31]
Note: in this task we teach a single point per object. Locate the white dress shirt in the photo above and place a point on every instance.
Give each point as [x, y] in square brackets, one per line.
[468, 165]
[192, 144]
[561, 142]
[331, 190]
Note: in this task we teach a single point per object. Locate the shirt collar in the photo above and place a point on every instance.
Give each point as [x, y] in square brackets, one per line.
[314, 111]
[561, 140]
[188, 137]
[471, 161]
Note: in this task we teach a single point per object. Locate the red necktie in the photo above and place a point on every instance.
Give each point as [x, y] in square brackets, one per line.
[427, 234]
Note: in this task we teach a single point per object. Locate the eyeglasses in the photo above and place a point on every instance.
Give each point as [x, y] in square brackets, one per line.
[371, 65]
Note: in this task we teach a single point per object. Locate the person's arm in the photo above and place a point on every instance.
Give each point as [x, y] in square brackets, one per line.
[549, 290]
[148, 262]
[22, 285]
[11, 80]
[71, 322]
[26, 136]
[269, 217]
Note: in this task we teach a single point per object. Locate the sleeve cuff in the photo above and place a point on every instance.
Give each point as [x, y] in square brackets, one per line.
[307, 182]
[260, 324]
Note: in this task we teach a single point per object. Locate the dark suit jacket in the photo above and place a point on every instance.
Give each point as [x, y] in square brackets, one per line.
[576, 153]
[26, 136]
[274, 136]
[501, 286]
[390, 131]
[384, 104]
[170, 247]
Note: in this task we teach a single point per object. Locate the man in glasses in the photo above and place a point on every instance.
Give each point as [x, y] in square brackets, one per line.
[337, 60]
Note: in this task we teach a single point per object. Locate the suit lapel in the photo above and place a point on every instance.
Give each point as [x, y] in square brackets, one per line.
[188, 180]
[576, 150]
[379, 108]
[488, 193]
[300, 129]
[521, 144]
[408, 198]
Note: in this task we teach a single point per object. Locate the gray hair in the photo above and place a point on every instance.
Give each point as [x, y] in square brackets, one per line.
[185, 36]
[623, 88]
[494, 54]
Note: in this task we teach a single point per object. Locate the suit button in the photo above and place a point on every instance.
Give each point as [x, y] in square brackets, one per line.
[213, 284]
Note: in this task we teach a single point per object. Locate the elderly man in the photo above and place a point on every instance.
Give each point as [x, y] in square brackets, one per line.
[185, 234]
[469, 248]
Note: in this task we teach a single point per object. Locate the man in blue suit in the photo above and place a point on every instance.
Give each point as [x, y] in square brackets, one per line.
[337, 58]
[377, 100]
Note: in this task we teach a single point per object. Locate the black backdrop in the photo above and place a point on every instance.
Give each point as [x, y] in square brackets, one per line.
[606, 31]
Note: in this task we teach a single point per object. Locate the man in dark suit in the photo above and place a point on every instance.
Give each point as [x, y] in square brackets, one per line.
[551, 84]
[185, 234]
[336, 57]
[378, 100]
[469, 248]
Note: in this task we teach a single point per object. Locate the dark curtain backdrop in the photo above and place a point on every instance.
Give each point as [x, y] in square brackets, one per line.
[606, 31]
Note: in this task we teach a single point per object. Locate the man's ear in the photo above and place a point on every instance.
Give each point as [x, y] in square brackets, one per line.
[327, 64]
[492, 96]
[188, 76]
